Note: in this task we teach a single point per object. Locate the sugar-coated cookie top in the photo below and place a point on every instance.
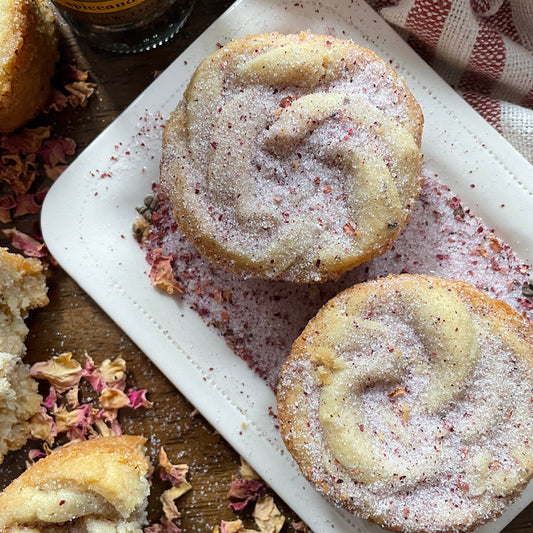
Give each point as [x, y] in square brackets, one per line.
[293, 157]
[409, 401]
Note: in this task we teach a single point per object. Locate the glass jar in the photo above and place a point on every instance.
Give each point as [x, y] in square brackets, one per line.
[125, 26]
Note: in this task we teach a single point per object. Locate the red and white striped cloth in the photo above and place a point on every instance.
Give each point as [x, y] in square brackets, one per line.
[483, 49]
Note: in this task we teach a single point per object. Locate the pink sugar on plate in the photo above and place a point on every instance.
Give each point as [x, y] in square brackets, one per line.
[260, 319]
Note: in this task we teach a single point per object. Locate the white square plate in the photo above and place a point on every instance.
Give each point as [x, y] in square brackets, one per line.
[88, 214]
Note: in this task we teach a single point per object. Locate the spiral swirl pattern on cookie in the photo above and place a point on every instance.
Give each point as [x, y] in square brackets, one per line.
[409, 401]
[293, 157]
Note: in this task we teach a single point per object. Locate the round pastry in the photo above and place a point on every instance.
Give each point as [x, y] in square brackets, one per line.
[28, 53]
[95, 485]
[409, 402]
[293, 157]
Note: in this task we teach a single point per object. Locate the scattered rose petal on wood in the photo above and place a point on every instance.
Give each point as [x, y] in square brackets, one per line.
[61, 371]
[138, 399]
[267, 516]
[111, 399]
[26, 141]
[169, 472]
[55, 151]
[30, 246]
[113, 372]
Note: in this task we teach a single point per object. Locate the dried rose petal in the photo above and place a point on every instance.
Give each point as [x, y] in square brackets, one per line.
[18, 171]
[267, 516]
[113, 372]
[26, 204]
[27, 244]
[57, 101]
[350, 230]
[80, 92]
[105, 430]
[6, 204]
[244, 491]
[26, 141]
[176, 475]
[235, 526]
[167, 501]
[72, 397]
[61, 371]
[79, 418]
[496, 245]
[246, 471]
[115, 427]
[73, 73]
[92, 375]
[162, 275]
[482, 251]
[138, 399]
[54, 172]
[35, 454]
[169, 472]
[55, 151]
[301, 526]
[51, 399]
[42, 426]
[111, 399]
[165, 526]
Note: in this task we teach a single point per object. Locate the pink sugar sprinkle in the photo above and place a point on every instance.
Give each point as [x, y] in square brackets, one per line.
[260, 319]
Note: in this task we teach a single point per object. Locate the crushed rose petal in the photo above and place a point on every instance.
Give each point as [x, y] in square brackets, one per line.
[162, 275]
[350, 230]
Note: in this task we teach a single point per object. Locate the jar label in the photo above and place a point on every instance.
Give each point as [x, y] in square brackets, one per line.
[98, 6]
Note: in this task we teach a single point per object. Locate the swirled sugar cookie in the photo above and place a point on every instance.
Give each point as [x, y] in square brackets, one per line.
[409, 402]
[293, 157]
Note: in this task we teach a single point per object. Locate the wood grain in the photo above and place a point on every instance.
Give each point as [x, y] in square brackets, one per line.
[73, 322]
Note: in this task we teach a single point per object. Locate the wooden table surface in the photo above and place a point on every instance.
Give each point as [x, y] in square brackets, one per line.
[73, 322]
